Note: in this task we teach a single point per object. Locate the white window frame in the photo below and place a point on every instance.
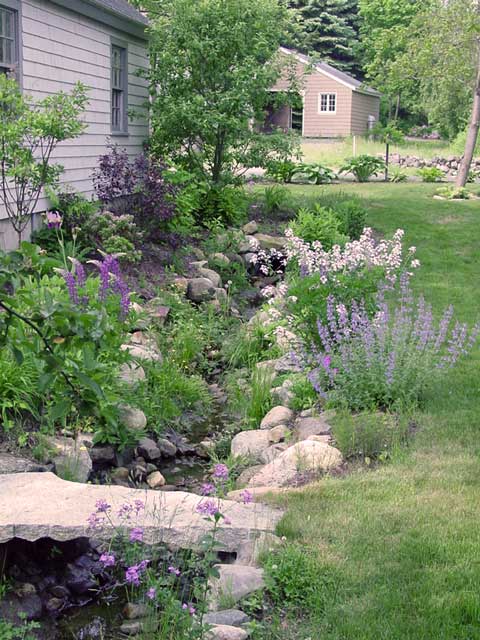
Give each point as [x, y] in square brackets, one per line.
[119, 90]
[13, 67]
[328, 111]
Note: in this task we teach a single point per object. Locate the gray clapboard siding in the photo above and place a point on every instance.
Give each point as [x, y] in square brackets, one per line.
[61, 47]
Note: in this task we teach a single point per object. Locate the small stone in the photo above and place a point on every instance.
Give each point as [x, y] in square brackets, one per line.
[271, 242]
[167, 448]
[220, 259]
[284, 394]
[247, 474]
[221, 295]
[131, 627]
[200, 290]
[132, 418]
[230, 617]
[277, 416]
[234, 582]
[250, 228]
[59, 591]
[119, 476]
[53, 605]
[205, 448]
[277, 434]
[249, 258]
[71, 458]
[226, 632]
[148, 449]
[102, 454]
[198, 253]
[140, 352]
[132, 611]
[199, 264]
[181, 284]
[131, 373]
[211, 275]
[248, 245]
[155, 480]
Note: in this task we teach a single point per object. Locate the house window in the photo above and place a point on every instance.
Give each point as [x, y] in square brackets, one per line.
[327, 103]
[119, 89]
[8, 40]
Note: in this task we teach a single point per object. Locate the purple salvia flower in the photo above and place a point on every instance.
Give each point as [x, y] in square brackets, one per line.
[71, 286]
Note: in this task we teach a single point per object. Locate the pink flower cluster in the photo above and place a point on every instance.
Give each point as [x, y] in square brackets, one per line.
[366, 252]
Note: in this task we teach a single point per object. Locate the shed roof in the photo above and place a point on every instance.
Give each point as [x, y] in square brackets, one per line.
[340, 76]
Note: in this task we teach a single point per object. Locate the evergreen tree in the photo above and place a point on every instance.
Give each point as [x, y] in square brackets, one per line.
[330, 29]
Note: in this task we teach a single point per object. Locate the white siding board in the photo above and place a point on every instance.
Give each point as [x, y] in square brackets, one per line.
[60, 48]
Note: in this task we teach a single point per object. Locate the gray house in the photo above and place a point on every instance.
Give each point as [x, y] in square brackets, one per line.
[51, 44]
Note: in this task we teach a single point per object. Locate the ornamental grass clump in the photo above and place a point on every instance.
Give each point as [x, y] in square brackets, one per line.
[387, 359]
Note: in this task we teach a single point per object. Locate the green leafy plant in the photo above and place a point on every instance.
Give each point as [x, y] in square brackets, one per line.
[397, 175]
[363, 167]
[282, 170]
[18, 388]
[369, 435]
[275, 198]
[453, 193]
[431, 174]
[316, 173]
[114, 234]
[29, 133]
[318, 225]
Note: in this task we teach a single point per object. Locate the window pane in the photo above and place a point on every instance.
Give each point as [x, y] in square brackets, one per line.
[333, 102]
[9, 51]
[9, 24]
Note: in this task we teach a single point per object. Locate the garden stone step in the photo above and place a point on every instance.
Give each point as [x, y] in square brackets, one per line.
[227, 632]
[235, 581]
[41, 505]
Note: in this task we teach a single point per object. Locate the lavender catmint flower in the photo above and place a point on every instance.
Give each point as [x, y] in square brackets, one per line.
[102, 506]
[208, 489]
[152, 593]
[132, 575]
[174, 571]
[220, 472]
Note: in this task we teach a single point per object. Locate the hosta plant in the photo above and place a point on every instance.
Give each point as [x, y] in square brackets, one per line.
[363, 167]
[316, 173]
[431, 174]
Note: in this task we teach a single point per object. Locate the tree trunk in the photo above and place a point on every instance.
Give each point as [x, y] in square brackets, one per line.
[472, 134]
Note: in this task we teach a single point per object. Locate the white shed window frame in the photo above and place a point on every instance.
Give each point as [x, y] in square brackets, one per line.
[119, 88]
[14, 37]
[328, 95]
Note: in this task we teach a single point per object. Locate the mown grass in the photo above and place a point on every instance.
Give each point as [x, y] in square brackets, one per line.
[403, 540]
[334, 153]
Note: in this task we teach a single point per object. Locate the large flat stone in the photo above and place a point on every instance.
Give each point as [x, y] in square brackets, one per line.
[234, 582]
[41, 505]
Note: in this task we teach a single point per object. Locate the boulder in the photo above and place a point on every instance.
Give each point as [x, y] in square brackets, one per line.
[221, 259]
[306, 427]
[284, 394]
[247, 474]
[102, 454]
[132, 417]
[133, 611]
[250, 443]
[248, 245]
[211, 275]
[230, 617]
[306, 456]
[119, 476]
[325, 439]
[278, 434]
[155, 480]
[70, 457]
[142, 352]
[200, 290]
[234, 582]
[221, 295]
[285, 364]
[272, 452]
[257, 493]
[226, 632]
[250, 228]
[131, 627]
[277, 416]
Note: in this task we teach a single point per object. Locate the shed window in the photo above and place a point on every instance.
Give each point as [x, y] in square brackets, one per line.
[119, 89]
[8, 40]
[327, 103]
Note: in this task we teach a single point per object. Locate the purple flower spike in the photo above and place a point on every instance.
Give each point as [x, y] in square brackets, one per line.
[107, 559]
[102, 506]
[208, 489]
[246, 496]
[132, 575]
[152, 593]
[220, 472]
[207, 508]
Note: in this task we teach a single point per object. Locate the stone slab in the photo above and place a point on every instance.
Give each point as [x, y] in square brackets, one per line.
[41, 505]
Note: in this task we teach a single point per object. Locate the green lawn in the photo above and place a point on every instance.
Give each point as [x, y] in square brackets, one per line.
[403, 541]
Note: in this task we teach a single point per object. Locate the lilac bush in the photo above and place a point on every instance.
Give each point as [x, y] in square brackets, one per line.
[386, 359]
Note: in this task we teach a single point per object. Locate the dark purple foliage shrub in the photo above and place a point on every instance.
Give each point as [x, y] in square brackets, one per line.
[138, 187]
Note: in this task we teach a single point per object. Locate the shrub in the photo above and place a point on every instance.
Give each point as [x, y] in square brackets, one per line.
[369, 435]
[316, 173]
[227, 203]
[363, 167]
[431, 174]
[114, 234]
[352, 216]
[139, 187]
[318, 225]
[275, 199]
[385, 359]
[18, 388]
